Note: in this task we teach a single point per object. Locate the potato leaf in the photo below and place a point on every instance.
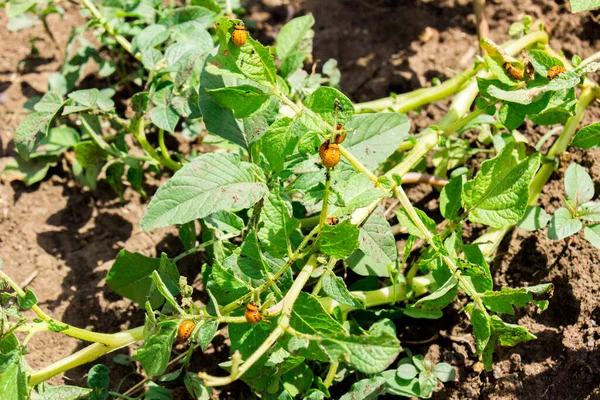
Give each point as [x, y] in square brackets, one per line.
[209, 183]
[155, 352]
[498, 194]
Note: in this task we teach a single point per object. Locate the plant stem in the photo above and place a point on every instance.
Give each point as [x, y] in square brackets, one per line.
[163, 147]
[419, 97]
[87, 354]
[110, 29]
[83, 334]
[138, 130]
[481, 21]
[333, 367]
[201, 246]
[319, 283]
[284, 321]
[386, 295]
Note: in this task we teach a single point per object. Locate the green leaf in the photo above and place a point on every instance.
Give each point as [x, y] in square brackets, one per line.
[297, 380]
[98, 380]
[589, 211]
[291, 35]
[308, 316]
[279, 142]
[444, 372]
[592, 235]
[244, 100]
[57, 142]
[225, 221]
[65, 393]
[29, 171]
[196, 387]
[583, 5]
[278, 224]
[207, 332]
[578, 184]
[511, 115]
[209, 183]
[482, 330]
[27, 301]
[219, 121]
[504, 300]
[366, 389]
[450, 197]
[34, 127]
[498, 194]
[339, 240]
[335, 288]
[155, 353]
[294, 43]
[356, 192]
[405, 220]
[165, 117]
[440, 298]
[370, 353]
[535, 218]
[542, 61]
[588, 137]
[150, 37]
[563, 224]
[130, 277]
[225, 284]
[187, 234]
[87, 97]
[509, 334]
[114, 177]
[13, 378]
[322, 102]
[91, 158]
[377, 247]
[407, 371]
[372, 138]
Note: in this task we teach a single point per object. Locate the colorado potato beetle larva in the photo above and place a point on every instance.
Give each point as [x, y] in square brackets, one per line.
[252, 313]
[515, 72]
[332, 220]
[330, 154]
[556, 71]
[239, 34]
[185, 330]
[341, 136]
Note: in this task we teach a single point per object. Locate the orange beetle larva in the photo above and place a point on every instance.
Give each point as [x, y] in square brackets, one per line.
[556, 71]
[330, 154]
[515, 72]
[239, 34]
[185, 330]
[341, 136]
[252, 313]
[332, 220]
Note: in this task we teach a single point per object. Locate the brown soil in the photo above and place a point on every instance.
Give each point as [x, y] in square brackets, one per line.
[69, 236]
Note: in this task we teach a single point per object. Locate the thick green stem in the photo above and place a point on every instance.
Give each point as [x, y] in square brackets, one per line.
[139, 131]
[410, 101]
[90, 353]
[386, 295]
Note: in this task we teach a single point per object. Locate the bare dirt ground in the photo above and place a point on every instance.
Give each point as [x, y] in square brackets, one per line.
[69, 236]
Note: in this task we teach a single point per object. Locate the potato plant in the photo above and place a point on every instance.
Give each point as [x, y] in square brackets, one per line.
[293, 200]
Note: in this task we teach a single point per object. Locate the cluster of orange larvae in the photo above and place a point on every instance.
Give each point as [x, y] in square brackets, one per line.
[518, 73]
[252, 315]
